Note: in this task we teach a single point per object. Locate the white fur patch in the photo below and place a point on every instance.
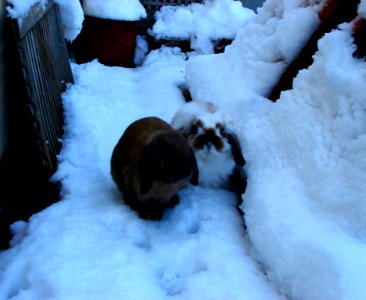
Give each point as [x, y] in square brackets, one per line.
[214, 168]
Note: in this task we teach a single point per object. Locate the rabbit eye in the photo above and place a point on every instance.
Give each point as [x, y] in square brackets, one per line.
[220, 128]
[198, 123]
[197, 127]
[194, 129]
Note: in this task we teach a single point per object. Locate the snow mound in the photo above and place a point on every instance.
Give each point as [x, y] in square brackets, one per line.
[305, 197]
[201, 24]
[121, 10]
[257, 57]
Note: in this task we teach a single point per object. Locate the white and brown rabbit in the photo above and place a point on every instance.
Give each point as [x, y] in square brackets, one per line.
[150, 164]
[217, 148]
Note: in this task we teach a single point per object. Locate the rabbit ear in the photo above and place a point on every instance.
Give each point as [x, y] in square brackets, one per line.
[235, 146]
[146, 167]
[194, 178]
[238, 180]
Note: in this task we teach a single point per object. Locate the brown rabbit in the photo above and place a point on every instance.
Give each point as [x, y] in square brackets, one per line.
[150, 163]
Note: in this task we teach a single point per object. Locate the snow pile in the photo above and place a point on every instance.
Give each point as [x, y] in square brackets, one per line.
[305, 199]
[72, 16]
[122, 10]
[258, 55]
[201, 23]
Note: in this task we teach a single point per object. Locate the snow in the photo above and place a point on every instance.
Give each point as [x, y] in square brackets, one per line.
[142, 48]
[362, 9]
[72, 18]
[314, 204]
[202, 24]
[121, 10]
[90, 243]
[259, 54]
[18, 8]
[72, 15]
[304, 204]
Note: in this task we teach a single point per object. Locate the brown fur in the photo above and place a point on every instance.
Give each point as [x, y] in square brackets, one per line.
[150, 164]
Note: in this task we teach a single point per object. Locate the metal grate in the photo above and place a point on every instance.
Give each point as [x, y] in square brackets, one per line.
[46, 70]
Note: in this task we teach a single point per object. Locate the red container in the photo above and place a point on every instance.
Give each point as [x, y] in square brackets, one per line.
[112, 42]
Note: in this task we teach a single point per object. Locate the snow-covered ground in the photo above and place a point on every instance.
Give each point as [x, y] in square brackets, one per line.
[304, 204]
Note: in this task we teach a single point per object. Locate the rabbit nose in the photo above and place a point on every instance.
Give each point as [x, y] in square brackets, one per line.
[208, 146]
[209, 136]
[207, 140]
